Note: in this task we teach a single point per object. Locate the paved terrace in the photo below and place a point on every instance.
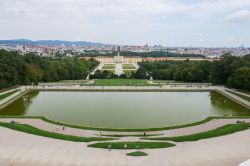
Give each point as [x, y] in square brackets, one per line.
[21, 149]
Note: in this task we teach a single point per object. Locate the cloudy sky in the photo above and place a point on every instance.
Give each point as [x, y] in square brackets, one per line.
[166, 22]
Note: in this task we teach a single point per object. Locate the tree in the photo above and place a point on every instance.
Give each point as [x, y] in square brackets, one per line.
[105, 74]
[16, 69]
[240, 79]
[141, 73]
[123, 76]
[35, 74]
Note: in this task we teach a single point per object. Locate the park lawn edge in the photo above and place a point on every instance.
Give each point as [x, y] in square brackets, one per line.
[132, 145]
[46, 119]
[220, 131]
[3, 96]
[240, 95]
[8, 88]
[137, 154]
[35, 131]
[121, 82]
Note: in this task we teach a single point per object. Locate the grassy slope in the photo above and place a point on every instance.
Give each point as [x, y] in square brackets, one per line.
[32, 130]
[137, 153]
[132, 145]
[240, 95]
[224, 130]
[7, 89]
[120, 82]
[7, 94]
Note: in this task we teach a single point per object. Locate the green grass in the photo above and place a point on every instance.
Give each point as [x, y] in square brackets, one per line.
[132, 145]
[244, 91]
[240, 95]
[111, 70]
[124, 129]
[120, 82]
[128, 66]
[129, 72]
[8, 88]
[108, 66]
[7, 94]
[137, 153]
[32, 130]
[130, 135]
[224, 130]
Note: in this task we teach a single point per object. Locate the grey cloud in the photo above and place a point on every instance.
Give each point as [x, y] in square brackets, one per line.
[118, 21]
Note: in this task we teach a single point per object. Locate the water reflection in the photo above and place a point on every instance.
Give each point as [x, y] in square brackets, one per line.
[226, 106]
[20, 106]
[125, 109]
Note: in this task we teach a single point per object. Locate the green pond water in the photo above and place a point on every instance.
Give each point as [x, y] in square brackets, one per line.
[125, 109]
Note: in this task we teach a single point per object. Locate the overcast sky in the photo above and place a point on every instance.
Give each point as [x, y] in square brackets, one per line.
[137, 22]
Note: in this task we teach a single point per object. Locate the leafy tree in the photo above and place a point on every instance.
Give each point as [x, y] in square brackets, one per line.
[123, 76]
[141, 73]
[240, 79]
[16, 69]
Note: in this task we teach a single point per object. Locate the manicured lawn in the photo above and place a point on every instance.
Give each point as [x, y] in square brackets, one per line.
[7, 89]
[240, 95]
[224, 130]
[132, 145]
[128, 72]
[137, 153]
[111, 70]
[128, 66]
[108, 66]
[32, 130]
[120, 82]
[7, 94]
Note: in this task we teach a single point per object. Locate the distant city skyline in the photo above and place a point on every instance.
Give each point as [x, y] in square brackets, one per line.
[171, 23]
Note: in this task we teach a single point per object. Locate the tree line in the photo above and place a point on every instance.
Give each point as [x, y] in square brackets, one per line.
[16, 69]
[141, 54]
[230, 70]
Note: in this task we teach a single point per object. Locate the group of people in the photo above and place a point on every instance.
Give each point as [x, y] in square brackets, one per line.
[63, 128]
[12, 121]
[110, 147]
[239, 121]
